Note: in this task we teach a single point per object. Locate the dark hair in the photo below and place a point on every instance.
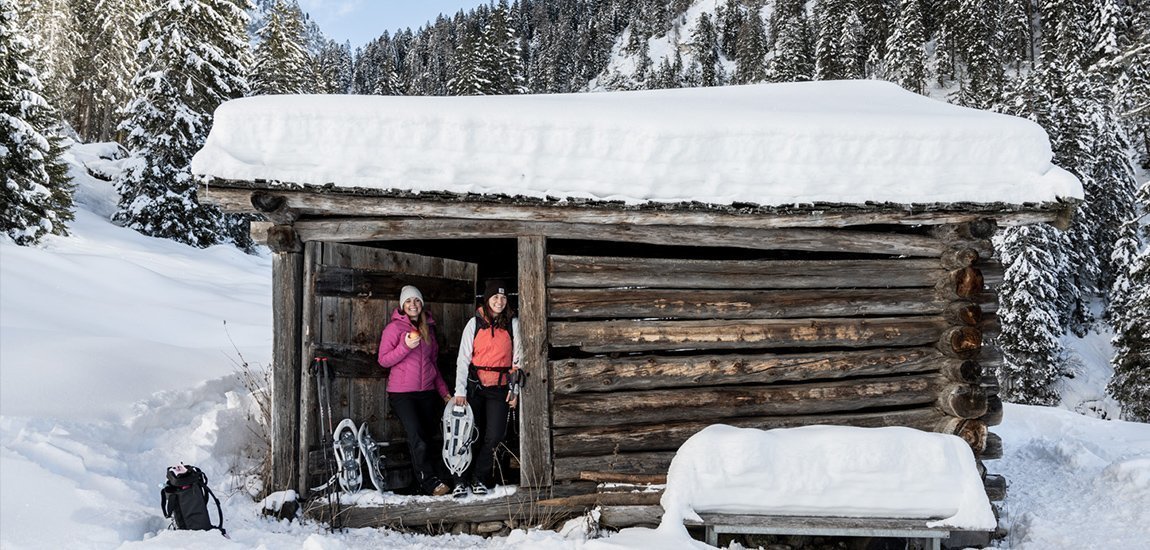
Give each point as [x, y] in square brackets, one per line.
[501, 320]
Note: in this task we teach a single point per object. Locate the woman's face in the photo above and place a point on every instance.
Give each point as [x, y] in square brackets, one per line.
[497, 303]
[413, 307]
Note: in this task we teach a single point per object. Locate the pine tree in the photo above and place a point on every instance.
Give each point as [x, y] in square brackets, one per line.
[105, 67]
[904, 63]
[705, 50]
[794, 59]
[499, 54]
[977, 37]
[470, 78]
[282, 63]
[751, 49]
[193, 56]
[1017, 36]
[56, 45]
[35, 192]
[728, 23]
[853, 55]
[831, 57]
[1030, 337]
[332, 68]
[1130, 384]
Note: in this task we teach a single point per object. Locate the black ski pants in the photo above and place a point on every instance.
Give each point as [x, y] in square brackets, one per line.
[420, 412]
[489, 405]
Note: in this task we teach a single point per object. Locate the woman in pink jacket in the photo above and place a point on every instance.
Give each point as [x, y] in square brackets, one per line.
[415, 387]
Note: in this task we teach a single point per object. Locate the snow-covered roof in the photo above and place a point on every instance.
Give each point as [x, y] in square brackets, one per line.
[838, 471]
[769, 144]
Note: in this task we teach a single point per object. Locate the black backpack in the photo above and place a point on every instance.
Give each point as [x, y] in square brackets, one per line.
[185, 500]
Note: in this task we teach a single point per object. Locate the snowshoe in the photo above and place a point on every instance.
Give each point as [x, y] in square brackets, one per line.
[373, 457]
[346, 446]
[458, 434]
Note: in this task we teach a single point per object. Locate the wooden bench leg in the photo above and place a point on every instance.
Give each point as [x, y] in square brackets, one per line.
[710, 534]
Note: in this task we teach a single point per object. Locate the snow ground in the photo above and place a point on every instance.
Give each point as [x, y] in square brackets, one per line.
[115, 363]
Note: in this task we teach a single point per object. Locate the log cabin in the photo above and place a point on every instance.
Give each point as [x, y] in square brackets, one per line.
[759, 256]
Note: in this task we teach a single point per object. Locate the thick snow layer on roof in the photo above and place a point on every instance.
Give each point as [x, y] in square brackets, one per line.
[828, 471]
[770, 144]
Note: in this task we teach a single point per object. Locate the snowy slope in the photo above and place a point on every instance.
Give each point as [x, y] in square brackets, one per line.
[114, 364]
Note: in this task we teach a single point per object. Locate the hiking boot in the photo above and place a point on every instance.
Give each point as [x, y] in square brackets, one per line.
[478, 488]
[460, 491]
[440, 490]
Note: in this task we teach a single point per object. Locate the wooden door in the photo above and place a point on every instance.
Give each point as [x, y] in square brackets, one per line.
[350, 292]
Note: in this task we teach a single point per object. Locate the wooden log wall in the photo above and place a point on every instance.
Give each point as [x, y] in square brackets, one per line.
[647, 351]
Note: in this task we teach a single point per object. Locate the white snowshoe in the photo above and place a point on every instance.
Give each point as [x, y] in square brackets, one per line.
[373, 457]
[345, 442]
[458, 434]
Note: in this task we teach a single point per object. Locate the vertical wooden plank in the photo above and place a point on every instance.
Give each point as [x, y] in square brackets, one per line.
[287, 366]
[535, 414]
[308, 419]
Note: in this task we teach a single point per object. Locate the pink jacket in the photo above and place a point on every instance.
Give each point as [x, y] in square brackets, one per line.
[412, 370]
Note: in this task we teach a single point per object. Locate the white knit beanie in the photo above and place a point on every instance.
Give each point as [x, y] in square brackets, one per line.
[409, 292]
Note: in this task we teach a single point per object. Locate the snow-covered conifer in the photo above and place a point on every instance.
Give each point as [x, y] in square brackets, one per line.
[705, 49]
[1030, 337]
[282, 64]
[193, 56]
[1129, 305]
[35, 192]
[499, 54]
[905, 63]
[794, 55]
[56, 44]
[105, 67]
[751, 49]
[332, 68]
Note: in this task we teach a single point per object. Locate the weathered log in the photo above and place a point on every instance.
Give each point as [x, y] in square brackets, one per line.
[972, 431]
[967, 372]
[965, 282]
[993, 416]
[607, 409]
[990, 385]
[990, 325]
[287, 299]
[995, 486]
[235, 197]
[534, 425]
[521, 505]
[651, 372]
[605, 499]
[385, 285]
[964, 342]
[607, 272]
[283, 239]
[993, 448]
[610, 336]
[634, 303]
[959, 256]
[350, 361]
[569, 468]
[619, 517]
[274, 208]
[993, 274]
[973, 230]
[630, 438]
[608, 477]
[796, 239]
[963, 313]
[963, 401]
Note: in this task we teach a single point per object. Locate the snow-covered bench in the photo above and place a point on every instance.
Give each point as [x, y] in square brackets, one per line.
[716, 524]
[828, 481]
